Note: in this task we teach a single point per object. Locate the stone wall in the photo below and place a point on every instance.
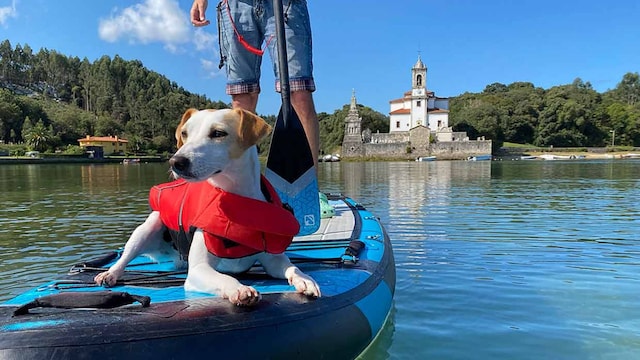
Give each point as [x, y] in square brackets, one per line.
[386, 150]
[455, 150]
[389, 138]
[447, 150]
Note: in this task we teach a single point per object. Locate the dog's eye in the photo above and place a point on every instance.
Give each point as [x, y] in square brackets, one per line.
[184, 134]
[217, 133]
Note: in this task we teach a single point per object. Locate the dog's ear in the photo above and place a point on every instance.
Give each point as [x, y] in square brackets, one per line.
[252, 128]
[187, 114]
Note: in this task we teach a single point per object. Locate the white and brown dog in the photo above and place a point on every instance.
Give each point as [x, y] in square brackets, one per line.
[217, 146]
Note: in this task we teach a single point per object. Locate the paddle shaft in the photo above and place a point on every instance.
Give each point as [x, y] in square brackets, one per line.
[283, 65]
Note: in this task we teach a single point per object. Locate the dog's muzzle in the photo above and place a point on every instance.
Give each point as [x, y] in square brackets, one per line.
[180, 164]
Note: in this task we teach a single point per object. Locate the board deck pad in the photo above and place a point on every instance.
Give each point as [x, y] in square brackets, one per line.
[339, 226]
[301, 196]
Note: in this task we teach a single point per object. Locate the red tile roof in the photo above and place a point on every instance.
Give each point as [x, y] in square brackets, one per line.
[400, 111]
[103, 139]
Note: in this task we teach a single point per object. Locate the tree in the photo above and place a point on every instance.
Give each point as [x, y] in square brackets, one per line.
[332, 125]
[26, 127]
[9, 115]
[39, 136]
[624, 120]
[628, 90]
[6, 54]
[495, 88]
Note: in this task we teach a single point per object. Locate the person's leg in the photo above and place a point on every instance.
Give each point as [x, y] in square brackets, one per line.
[242, 65]
[299, 59]
[302, 102]
[247, 101]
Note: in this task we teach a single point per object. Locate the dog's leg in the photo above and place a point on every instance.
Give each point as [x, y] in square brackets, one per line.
[139, 240]
[279, 266]
[203, 277]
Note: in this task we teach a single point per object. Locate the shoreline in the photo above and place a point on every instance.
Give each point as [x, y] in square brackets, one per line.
[579, 155]
[6, 160]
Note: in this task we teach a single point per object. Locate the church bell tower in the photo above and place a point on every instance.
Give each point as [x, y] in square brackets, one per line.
[419, 101]
[352, 143]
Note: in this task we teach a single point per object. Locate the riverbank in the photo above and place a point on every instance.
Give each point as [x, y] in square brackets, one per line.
[567, 153]
[12, 160]
[585, 155]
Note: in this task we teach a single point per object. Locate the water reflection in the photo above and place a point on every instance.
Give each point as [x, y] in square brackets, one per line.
[379, 348]
[495, 260]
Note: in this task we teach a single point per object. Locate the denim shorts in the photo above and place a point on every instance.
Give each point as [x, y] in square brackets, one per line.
[253, 22]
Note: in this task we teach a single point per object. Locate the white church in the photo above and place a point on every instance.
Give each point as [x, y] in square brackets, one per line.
[419, 106]
[418, 126]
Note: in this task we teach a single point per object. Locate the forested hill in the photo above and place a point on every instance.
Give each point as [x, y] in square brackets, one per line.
[63, 98]
[572, 115]
[49, 100]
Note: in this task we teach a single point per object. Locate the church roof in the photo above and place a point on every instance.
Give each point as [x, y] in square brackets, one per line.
[407, 96]
[400, 111]
[419, 64]
[438, 111]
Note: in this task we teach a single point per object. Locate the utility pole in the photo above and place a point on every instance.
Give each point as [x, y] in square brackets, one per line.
[613, 137]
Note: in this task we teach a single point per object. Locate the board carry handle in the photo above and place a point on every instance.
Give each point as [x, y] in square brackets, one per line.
[75, 300]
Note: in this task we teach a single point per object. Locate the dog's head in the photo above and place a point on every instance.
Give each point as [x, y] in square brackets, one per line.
[208, 140]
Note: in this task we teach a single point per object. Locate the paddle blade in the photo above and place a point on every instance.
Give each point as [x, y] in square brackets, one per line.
[291, 171]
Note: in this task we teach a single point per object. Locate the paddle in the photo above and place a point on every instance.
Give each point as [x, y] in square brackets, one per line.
[290, 166]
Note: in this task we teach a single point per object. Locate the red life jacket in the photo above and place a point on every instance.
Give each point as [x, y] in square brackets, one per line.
[234, 226]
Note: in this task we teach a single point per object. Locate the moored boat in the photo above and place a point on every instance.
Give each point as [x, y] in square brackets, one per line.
[426, 158]
[350, 257]
[131, 161]
[483, 157]
[330, 158]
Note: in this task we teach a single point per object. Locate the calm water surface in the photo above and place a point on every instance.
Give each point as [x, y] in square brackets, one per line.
[495, 260]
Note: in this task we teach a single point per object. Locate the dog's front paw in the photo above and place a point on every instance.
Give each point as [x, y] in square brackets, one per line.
[243, 296]
[106, 278]
[303, 283]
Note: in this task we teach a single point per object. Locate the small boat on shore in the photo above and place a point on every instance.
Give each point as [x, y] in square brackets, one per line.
[149, 315]
[480, 157]
[330, 158]
[630, 156]
[131, 161]
[561, 157]
[426, 158]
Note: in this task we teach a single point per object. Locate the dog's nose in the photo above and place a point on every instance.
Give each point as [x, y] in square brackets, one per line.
[179, 163]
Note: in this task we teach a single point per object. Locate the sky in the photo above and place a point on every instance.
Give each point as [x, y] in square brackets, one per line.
[366, 46]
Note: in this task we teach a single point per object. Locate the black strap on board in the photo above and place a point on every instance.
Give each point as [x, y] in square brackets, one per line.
[352, 251]
[92, 299]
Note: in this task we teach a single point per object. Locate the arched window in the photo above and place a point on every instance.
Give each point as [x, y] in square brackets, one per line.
[419, 80]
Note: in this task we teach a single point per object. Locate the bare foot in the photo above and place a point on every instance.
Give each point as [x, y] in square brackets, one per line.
[105, 278]
[303, 283]
[243, 296]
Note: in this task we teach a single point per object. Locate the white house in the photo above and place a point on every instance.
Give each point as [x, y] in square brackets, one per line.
[419, 106]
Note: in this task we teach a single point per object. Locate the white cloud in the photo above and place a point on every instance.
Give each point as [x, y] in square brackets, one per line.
[7, 12]
[207, 43]
[210, 68]
[151, 21]
[162, 21]
[207, 64]
[203, 40]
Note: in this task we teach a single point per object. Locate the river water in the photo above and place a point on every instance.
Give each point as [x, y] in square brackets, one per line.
[495, 260]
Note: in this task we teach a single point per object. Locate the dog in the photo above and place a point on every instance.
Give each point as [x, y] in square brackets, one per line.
[217, 147]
